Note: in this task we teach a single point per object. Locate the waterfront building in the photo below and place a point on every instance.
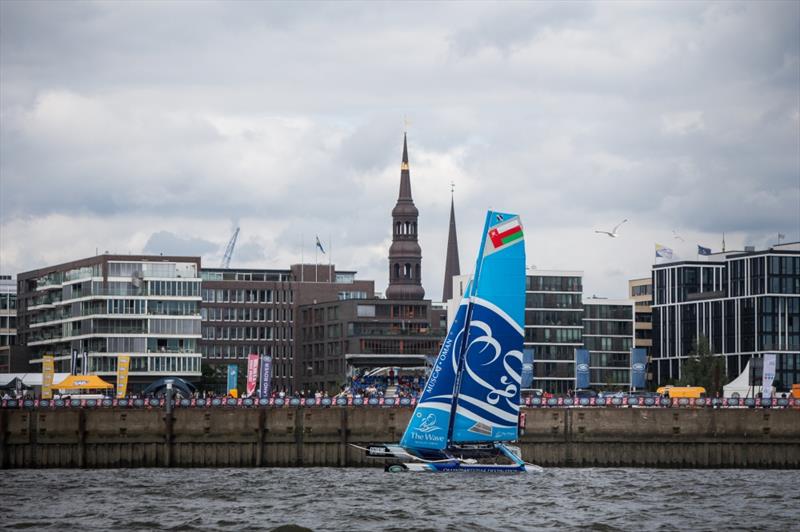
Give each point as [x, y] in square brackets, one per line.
[253, 311]
[553, 324]
[8, 321]
[144, 306]
[338, 338]
[746, 303]
[640, 291]
[608, 326]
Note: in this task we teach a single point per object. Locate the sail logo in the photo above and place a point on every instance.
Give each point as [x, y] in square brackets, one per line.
[428, 424]
[439, 365]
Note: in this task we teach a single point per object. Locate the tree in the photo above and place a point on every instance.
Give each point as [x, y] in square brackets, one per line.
[703, 369]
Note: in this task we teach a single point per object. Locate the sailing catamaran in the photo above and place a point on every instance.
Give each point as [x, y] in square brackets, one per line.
[469, 407]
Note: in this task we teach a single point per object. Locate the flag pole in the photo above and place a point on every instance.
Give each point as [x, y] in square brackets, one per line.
[302, 266]
[330, 252]
[316, 261]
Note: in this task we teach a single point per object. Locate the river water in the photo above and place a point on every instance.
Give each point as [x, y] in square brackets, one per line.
[369, 499]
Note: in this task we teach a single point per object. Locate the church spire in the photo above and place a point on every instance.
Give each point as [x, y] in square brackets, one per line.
[451, 264]
[405, 255]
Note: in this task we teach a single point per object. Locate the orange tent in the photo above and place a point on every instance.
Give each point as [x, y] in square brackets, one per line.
[82, 382]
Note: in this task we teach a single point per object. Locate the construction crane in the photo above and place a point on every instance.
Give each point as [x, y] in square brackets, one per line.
[226, 258]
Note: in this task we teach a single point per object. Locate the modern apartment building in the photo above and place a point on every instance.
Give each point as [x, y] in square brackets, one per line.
[608, 326]
[746, 303]
[147, 307]
[553, 324]
[640, 291]
[254, 311]
[8, 321]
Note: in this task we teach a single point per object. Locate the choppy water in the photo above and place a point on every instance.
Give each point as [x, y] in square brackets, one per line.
[369, 499]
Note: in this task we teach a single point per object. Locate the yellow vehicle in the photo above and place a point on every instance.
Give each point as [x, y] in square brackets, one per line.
[795, 391]
[689, 392]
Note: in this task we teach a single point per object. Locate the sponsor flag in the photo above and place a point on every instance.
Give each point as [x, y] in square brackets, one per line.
[319, 246]
[527, 368]
[233, 376]
[48, 369]
[85, 363]
[123, 365]
[266, 376]
[73, 363]
[768, 375]
[703, 251]
[506, 233]
[638, 367]
[581, 368]
[663, 252]
[252, 373]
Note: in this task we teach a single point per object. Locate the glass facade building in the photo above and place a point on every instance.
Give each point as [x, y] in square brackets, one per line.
[608, 336]
[8, 321]
[147, 307]
[745, 303]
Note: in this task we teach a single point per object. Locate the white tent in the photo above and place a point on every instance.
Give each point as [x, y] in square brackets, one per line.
[741, 386]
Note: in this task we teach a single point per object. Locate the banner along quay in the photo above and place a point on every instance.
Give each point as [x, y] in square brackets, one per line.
[252, 433]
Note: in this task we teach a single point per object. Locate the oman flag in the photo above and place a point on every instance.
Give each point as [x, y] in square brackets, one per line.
[505, 233]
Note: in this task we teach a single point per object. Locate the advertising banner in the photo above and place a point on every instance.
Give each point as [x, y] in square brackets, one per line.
[638, 368]
[252, 374]
[266, 376]
[527, 368]
[769, 375]
[48, 369]
[233, 376]
[581, 368]
[73, 363]
[85, 363]
[123, 365]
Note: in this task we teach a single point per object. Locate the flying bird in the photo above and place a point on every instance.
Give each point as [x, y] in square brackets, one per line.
[613, 232]
[677, 236]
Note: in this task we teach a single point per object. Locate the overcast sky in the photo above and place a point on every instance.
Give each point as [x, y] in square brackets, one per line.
[159, 127]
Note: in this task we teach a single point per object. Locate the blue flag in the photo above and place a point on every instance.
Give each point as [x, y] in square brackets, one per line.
[319, 246]
[233, 376]
[581, 368]
[703, 251]
[638, 367]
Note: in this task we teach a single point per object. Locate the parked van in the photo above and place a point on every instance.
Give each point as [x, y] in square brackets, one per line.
[679, 392]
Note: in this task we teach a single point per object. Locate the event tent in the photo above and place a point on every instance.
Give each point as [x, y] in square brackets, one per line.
[82, 382]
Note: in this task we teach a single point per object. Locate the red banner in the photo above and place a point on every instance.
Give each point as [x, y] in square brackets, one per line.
[252, 374]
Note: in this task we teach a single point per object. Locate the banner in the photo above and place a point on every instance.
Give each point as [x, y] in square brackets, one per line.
[73, 363]
[252, 374]
[527, 368]
[233, 376]
[123, 364]
[769, 375]
[266, 376]
[48, 369]
[85, 362]
[638, 368]
[581, 368]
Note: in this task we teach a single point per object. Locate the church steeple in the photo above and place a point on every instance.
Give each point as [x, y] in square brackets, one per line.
[451, 264]
[405, 255]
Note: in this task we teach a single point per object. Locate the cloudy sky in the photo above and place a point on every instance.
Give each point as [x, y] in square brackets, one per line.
[159, 127]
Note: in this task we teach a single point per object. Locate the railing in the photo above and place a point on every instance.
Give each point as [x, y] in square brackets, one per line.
[300, 402]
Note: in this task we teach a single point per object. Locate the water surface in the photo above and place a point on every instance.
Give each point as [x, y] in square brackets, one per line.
[369, 499]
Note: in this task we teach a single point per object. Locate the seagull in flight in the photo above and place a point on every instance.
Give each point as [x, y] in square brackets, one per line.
[677, 236]
[613, 233]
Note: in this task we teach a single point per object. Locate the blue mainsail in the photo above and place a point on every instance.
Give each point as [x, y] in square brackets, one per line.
[428, 428]
[488, 383]
[472, 393]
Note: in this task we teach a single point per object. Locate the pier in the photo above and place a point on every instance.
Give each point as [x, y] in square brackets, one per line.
[299, 436]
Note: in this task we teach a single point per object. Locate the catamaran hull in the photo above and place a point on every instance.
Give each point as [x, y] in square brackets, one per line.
[416, 467]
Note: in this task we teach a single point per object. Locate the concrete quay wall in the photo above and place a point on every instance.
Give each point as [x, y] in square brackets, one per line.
[253, 437]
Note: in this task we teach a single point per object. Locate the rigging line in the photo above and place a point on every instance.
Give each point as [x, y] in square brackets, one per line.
[409, 455]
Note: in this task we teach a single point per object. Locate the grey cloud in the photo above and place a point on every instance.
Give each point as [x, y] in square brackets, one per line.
[167, 243]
